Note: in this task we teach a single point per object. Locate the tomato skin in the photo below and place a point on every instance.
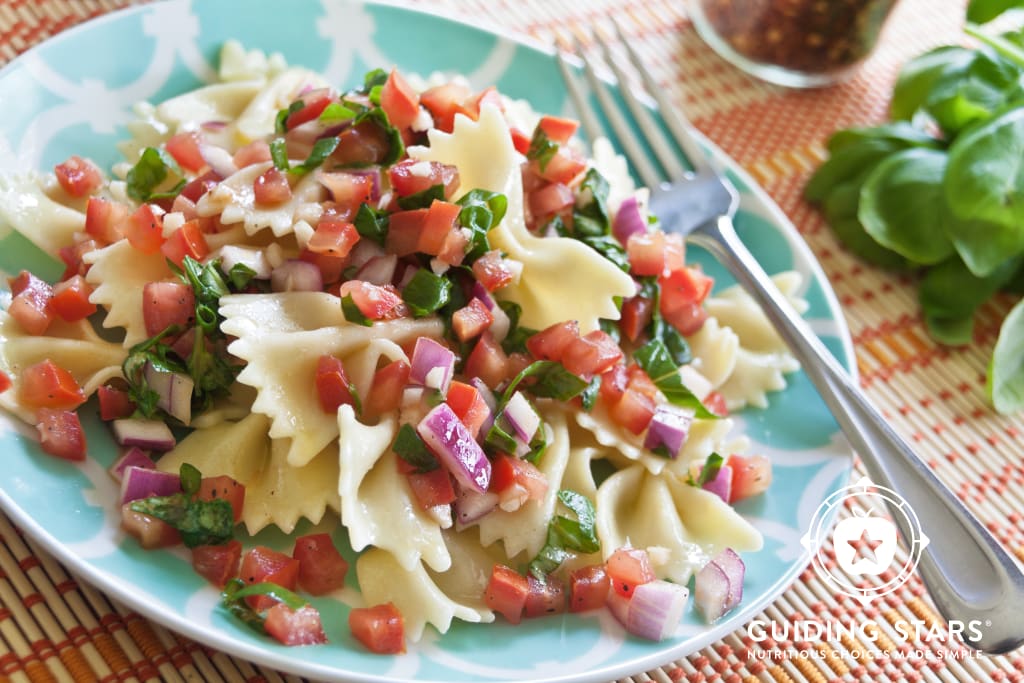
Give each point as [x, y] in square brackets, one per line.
[591, 354]
[271, 187]
[471, 320]
[467, 403]
[443, 102]
[188, 240]
[688, 318]
[295, 627]
[508, 471]
[627, 568]
[636, 315]
[261, 564]
[333, 238]
[104, 219]
[588, 588]
[348, 190]
[5, 382]
[633, 411]
[520, 140]
[409, 177]
[558, 129]
[202, 184]
[385, 393]
[30, 305]
[506, 593]
[751, 475]
[399, 100]
[61, 434]
[439, 222]
[332, 384]
[79, 177]
[564, 167]
[313, 104]
[184, 147]
[223, 487]
[331, 267]
[165, 304]
[114, 403]
[364, 144]
[217, 563]
[47, 385]
[404, 229]
[144, 230]
[715, 402]
[150, 532]
[552, 342]
[488, 361]
[491, 271]
[322, 569]
[432, 488]
[613, 384]
[373, 301]
[73, 257]
[256, 152]
[381, 628]
[544, 597]
[550, 199]
[70, 299]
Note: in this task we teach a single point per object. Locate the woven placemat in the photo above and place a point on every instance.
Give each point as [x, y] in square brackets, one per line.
[54, 628]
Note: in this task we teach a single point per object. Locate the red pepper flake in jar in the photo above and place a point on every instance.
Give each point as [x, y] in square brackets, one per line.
[800, 43]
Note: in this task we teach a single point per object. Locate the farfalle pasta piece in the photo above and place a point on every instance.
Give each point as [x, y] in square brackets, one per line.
[482, 151]
[28, 210]
[257, 120]
[377, 505]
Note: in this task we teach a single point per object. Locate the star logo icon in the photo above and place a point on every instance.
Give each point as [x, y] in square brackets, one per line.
[864, 546]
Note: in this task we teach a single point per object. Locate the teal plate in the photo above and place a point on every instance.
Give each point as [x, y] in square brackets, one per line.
[74, 94]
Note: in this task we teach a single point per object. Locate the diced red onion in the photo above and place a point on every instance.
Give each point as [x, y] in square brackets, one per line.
[296, 275]
[656, 608]
[348, 186]
[380, 270]
[721, 485]
[718, 587]
[213, 125]
[480, 292]
[521, 417]
[432, 365]
[141, 482]
[364, 251]
[454, 446]
[668, 428]
[254, 259]
[133, 457]
[488, 396]
[629, 220]
[618, 605]
[174, 389]
[471, 506]
[373, 173]
[500, 325]
[152, 435]
[218, 159]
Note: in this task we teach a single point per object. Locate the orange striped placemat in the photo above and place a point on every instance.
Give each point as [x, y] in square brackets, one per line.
[54, 628]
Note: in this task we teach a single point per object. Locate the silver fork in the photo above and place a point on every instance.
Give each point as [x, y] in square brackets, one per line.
[969, 575]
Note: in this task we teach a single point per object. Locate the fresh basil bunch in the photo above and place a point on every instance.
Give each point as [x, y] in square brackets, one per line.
[940, 189]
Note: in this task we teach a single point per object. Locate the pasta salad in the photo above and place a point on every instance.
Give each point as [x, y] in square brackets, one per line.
[421, 310]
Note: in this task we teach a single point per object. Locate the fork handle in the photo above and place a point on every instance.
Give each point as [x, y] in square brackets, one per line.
[968, 574]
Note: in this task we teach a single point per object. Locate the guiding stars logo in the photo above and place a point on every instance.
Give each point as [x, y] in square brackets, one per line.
[866, 543]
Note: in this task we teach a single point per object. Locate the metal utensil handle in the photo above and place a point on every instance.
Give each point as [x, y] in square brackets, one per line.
[969, 575]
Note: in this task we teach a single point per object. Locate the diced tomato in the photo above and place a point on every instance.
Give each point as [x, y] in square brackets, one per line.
[262, 564]
[165, 304]
[545, 597]
[223, 487]
[646, 253]
[334, 238]
[675, 252]
[70, 299]
[404, 229]
[633, 411]
[588, 588]
[635, 317]
[488, 361]
[467, 403]
[322, 569]
[295, 626]
[684, 286]
[364, 144]
[751, 475]
[409, 177]
[591, 354]
[552, 342]
[454, 248]
[442, 102]
[688, 318]
[558, 129]
[313, 104]
[104, 219]
[79, 177]
[564, 167]
[373, 301]
[184, 147]
[331, 267]
[61, 434]
[551, 199]
[471, 106]
[628, 568]
[271, 187]
[200, 185]
[188, 240]
[30, 305]
[47, 385]
[150, 532]
[520, 140]
[380, 628]
[332, 385]
[73, 256]
[438, 224]
[613, 384]
[256, 152]
[399, 100]
[349, 190]
[432, 488]
[471, 320]
[641, 382]
[217, 563]
[715, 402]
[5, 382]
[492, 272]
[506, 593]
[145, 229]
[385, 393]
[114, 403]
[508, 471]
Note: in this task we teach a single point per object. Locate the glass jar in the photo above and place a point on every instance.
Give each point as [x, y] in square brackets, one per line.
[797, 43]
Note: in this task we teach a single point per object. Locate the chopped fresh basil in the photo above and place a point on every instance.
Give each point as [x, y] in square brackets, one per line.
[426, 292]
[542, 149]
[281, 120]
[372, 224]
[322, 149]
[336, 112]
[207, 285]
[352, 313]
[240, 276]
[149, 172]
[590, 216]
[191, 479]
[656, 361]
[482, 210]
[709, 471]
[200, 522]
[374, 94]
[133, 368]
[567, 535]
[551, 380]
[589, 395]
[236, 591]
[373, 79]
[538, 446]
[279, 154]
[410, 447]
[422, 199]
[515, 341]
[500, 439]
[609, 247]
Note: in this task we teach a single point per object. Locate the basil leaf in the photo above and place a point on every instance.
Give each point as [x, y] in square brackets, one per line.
[279, 154]
[515, 341]
[590, 216]
[500, 439]
[352, 313]
[240, 276]
[426, 292]
[133, 368]
[482, 210]
[609, 247]
[566, 534]
[322, 149]
[410, 447]
[191, 479]
[372, 224]
[149, 172]
[336, 112]
[422, 199]
[710, 470]
[655, 360]
[589, 395]
[1006, 371]
[552, 380]
[374, 78]
[538, 446]
[271, 590]
[200, 522]
[542, 149]
[376, 115]
[281, 120]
